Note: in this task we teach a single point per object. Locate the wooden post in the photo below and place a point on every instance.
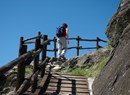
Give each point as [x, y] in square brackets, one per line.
[97, 43]
[55, 40]
[36, 62]
[36, 59]
[78, 39]
[44, 49]
[21, 67]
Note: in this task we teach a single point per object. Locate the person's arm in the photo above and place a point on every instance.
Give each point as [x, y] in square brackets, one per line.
[67, 36]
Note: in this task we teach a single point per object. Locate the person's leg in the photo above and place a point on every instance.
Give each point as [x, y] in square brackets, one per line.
[59, 47]
[64, 44]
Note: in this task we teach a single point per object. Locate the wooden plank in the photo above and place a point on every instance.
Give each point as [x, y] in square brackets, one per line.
[68, 82]
[74, 89]
[70, 76]
[41, 84]
[64, 93]
[68, 85]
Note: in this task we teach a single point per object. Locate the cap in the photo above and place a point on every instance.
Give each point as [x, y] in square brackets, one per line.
[65, 25]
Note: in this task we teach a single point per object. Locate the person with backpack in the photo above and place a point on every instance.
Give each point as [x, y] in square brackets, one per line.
[62, 41]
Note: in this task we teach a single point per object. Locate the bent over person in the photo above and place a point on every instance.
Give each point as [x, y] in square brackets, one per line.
[62, 39]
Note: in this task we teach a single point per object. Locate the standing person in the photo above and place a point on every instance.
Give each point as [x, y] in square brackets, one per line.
[62, 39]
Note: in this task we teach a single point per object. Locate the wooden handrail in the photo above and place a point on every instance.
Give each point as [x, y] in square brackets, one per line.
[26, 84]
[14, 62]
[32, 38]
[78, 47]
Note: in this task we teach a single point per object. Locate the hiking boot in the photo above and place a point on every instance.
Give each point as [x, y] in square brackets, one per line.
[59, 59]
[63, 58]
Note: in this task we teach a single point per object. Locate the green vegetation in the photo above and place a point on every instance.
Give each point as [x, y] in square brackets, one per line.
[93, 71]
[109, 45]
[29, 69]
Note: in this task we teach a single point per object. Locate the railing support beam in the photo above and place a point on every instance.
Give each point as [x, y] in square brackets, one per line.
[55, 50]
[21, 67]
[36, 62]
[44, 49]
[78, 40]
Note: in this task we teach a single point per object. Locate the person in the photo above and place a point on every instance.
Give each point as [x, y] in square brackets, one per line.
[63, 43]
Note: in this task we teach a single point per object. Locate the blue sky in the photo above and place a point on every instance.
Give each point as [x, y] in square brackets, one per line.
[86, 18]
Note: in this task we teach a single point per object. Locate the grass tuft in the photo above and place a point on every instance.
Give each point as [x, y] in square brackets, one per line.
[92, 71]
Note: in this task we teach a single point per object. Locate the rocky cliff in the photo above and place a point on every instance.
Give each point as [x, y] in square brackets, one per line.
[114, 79]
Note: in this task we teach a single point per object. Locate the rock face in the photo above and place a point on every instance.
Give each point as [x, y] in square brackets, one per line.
[114, 78]
[8, 83]
[118, 22]
[86, 60]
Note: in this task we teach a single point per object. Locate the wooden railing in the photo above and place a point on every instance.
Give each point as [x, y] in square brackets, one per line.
[26, 57]
[77, 47]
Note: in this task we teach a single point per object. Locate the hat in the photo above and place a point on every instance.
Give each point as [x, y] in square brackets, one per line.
[65, 25]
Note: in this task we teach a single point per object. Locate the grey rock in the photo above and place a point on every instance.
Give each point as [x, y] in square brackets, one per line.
[114, 78]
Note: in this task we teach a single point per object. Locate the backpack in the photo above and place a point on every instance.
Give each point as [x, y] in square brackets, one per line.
[60, 32]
